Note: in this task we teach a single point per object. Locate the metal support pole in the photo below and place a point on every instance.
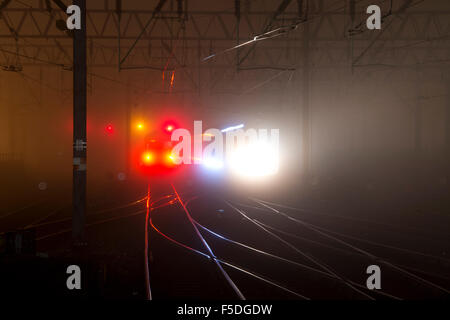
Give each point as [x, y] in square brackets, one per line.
[447, 120]
[418, 118]
[79, 129]
[305, 116]
[128, 128]
[119, 16]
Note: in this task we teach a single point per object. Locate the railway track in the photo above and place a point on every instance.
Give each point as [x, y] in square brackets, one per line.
[324, 241]
[220, 263]
[247, 248]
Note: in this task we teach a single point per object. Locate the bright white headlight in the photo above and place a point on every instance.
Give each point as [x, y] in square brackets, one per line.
[254, 160]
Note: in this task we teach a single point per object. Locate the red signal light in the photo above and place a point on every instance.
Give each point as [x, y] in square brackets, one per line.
[169, 126]
[109, 128]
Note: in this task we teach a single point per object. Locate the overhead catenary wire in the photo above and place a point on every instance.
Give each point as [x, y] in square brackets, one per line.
[263, 36]
[265, 81]
[69, 68]
[269, 34]
[406, 6]
[155, 12]
[184, 66]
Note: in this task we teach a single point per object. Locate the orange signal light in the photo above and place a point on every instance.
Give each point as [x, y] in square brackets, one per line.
[147, 158]
[170, 159]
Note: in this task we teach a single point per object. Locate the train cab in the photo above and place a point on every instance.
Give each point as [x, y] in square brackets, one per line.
[156, 156]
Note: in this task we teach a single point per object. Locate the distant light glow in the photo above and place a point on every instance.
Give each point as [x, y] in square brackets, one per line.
[212, 163]
[239, 126]
[170, 128]
[140, 126]
[255, 160]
